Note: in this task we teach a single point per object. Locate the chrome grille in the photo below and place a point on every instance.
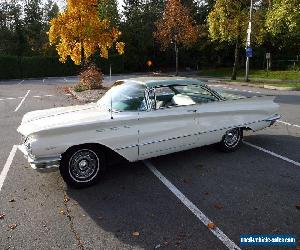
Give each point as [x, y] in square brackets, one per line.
[24, 139]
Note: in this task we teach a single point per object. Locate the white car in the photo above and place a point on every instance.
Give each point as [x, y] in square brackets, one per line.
[138, 119]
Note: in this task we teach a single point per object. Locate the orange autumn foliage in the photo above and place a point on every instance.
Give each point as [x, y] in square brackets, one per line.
[78, 32]
[176, 25]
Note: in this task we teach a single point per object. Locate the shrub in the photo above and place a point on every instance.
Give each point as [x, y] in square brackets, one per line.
[91, 77]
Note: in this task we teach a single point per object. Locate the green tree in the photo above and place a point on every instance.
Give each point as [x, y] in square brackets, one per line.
[283, 21]
[50, 11]
[108, 9]
[137, 29]
[33, 20]
[228, 22]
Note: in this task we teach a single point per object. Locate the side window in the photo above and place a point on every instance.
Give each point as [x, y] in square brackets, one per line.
[196, 94]
[164, 97]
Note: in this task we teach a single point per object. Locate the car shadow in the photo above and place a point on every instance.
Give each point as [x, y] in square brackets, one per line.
[130, 199]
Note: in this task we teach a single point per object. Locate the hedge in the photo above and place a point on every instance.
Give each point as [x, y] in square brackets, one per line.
[13, 67]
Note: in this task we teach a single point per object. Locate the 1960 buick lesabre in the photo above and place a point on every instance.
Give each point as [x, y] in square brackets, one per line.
[137, 119]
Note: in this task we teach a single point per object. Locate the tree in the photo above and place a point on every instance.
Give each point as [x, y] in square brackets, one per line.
[51, 10]
[108, 9]
[33, 25]
[137, 29]
[228, 22]
[176, 27]
[79, 32]
[283, 19]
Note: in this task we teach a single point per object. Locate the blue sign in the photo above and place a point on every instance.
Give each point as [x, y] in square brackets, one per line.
[249, 52]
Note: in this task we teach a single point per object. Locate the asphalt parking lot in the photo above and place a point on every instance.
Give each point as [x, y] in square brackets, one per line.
[163, 203]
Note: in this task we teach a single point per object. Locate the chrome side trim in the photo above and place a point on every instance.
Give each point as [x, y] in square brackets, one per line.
[272, 118]
[201, 132]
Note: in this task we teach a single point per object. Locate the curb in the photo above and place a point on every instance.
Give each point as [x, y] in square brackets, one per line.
[271, 87]
[281, 88]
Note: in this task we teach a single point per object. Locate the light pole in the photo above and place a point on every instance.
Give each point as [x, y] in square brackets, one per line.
[248, 43]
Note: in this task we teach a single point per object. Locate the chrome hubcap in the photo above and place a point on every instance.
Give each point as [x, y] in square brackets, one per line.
[232, 137]
[84, 165]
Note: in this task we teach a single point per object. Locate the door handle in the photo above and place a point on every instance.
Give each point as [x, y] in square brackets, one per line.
[192, 110]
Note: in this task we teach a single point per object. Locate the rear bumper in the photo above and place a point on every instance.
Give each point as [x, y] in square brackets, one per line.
[42, 162]
[272, 119]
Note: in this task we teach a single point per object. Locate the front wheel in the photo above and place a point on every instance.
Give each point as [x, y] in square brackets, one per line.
[82, 166]
[231, 140]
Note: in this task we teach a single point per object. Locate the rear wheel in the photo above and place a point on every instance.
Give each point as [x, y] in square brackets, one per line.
[231, 140]
[82, 166]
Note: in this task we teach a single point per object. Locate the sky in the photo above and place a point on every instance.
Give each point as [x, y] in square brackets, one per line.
[61, 4]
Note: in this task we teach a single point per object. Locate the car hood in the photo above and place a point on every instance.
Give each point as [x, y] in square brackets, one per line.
[41, 120]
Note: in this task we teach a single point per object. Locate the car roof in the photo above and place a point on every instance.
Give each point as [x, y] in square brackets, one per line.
[151, 82]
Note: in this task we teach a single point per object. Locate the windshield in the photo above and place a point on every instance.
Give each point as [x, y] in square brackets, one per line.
[124, 96]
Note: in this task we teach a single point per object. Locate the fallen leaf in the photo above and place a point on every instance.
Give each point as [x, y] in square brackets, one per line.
[12, 226]
[218, 206]
[66, 199]
[136, 234]
[211, 225]
[298, 206]
[2, 216]
[12, 200]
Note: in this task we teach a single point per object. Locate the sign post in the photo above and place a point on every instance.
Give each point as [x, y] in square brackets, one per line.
[248, 43]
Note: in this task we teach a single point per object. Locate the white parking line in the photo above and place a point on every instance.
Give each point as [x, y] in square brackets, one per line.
[21, 82]
[17, 108]
[7, 165]
[289, 124]
[195, 210]
[273, 154]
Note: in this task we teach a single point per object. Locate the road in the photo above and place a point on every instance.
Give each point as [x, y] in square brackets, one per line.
[254, 190]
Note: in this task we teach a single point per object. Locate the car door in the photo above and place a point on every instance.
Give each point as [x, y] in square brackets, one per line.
[209, 119]
[168, 129]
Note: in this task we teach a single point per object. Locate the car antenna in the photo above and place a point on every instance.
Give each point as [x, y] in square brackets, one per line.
[111, 116]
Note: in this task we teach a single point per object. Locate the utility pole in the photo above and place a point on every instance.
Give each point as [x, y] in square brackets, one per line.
[248, 43]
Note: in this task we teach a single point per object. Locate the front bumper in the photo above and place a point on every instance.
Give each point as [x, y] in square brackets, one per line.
[42, 162]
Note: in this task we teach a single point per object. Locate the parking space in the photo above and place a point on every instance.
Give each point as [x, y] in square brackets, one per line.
[245, 192]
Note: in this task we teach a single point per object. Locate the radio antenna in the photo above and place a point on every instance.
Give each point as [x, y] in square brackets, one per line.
[111, 115]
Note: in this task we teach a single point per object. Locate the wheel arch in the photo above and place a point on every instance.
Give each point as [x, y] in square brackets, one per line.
[110, 155]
